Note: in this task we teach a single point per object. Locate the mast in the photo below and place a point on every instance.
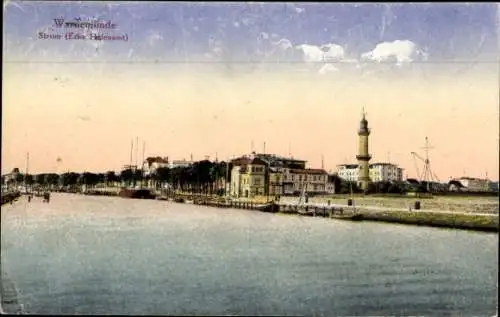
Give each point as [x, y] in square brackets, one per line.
[142, 165]
[27, 167]
[131, 151]
[227, 178]
[136, 149]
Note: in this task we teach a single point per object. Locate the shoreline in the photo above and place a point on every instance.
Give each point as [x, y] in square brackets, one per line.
[470, 221]
[9, 197]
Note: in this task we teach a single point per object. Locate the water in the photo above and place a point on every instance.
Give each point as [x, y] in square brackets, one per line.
[106, 255]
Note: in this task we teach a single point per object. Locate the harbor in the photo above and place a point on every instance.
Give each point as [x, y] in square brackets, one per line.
[119, 256]
[469, 216]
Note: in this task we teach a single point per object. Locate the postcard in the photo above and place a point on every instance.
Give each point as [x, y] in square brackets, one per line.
[250, 158]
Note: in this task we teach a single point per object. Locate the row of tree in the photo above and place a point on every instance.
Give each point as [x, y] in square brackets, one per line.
[202, 176]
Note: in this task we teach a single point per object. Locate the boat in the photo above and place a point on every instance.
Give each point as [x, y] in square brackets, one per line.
[302, 208]
[137, 193]
[269, 207]
[179, 200]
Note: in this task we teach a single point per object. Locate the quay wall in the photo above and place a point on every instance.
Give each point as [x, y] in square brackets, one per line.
[447, 203]
[9, 197]
[466, 217]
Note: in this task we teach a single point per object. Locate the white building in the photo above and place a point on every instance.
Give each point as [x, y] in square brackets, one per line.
[151, 164]
[180, 163]
[474, 184]
[383, 172]
[348, 172]
[379, 172]
[312, 180]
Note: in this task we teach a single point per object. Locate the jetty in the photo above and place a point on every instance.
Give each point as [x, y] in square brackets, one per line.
[413, 216]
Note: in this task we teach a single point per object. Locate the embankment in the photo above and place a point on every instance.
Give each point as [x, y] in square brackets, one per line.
[435, 219]
[9, 197]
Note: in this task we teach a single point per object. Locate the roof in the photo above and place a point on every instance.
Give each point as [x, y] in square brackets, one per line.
[157, 159]
[471, 179]
[348, 165]
[456, 183]
[313, 171]
[383, 164]
[248, 160]
[274, 157]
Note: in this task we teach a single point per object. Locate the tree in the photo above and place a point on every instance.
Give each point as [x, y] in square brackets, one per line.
[39, 179]
[110, 178]
[162, 176]
[52, 179]
[127, 176]
[69, 179]
[19, 178]
[28, 178]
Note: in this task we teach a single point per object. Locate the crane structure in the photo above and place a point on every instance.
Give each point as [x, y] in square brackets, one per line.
[427, 174]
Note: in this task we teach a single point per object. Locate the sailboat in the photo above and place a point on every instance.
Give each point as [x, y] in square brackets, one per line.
[136, 191]
[301, 204]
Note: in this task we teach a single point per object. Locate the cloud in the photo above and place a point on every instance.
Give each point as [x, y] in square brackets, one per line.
[328, 68]
[299, 10]
[284, 44]
[323, 53]
[403, 51]
[154, 37]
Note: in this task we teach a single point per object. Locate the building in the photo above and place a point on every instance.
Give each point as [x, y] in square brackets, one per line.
[494, 186]
[348, 172]
[151, 164]
[378, 172]
[268, 174]
[470, 184]
[312, 181]
[363, 156]
[385, 172]
[248, 177]
[12, 177]
[180, 163]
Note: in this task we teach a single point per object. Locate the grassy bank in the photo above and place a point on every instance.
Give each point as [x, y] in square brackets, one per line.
[433, 219]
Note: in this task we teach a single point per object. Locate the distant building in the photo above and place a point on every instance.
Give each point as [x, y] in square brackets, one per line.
[379, 172]
[12, 176]
[269, 174]
[309, 179]
[151, 164]
[180, 163]
[470, 184]
[494, 186]
[248, 177]
[348, 172]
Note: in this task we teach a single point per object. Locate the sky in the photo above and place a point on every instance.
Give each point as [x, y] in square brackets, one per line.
[223, 79]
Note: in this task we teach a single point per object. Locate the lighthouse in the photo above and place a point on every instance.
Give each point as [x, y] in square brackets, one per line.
[363, 156]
